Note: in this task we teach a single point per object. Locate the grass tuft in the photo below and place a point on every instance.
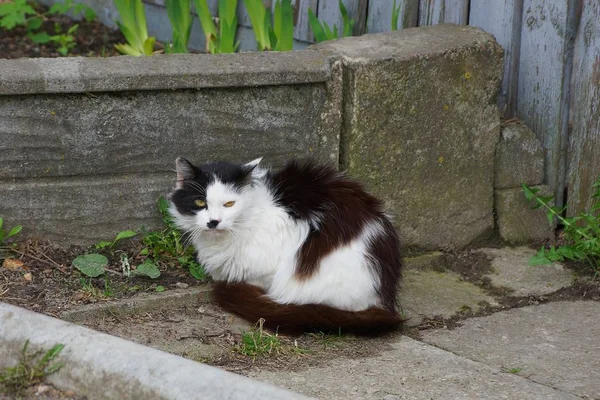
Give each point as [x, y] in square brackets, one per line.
[30, 370]
[258, 342]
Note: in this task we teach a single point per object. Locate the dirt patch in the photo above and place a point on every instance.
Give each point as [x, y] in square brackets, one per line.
[91, 39]
[48, 283]
[44, 391]
[203, 332]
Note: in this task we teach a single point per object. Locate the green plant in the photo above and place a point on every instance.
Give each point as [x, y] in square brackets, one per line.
[328, 340]
[220, 37]
[276, 34]
[91, 265]
[64, 41]
[18, 12]
[133, 27]
[7, 234]
[28, 371]
[77, 9]
[395, 15]
[581, 233]
[258, 342]
[515, 370]
[120, 236]
[88, 288]
[167, 245]
[179, 12]
[323, 32]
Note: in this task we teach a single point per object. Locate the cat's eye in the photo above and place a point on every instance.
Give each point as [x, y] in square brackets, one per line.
[200, 203]
[229, 204]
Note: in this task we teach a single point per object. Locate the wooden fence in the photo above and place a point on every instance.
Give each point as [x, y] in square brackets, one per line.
[552, 69]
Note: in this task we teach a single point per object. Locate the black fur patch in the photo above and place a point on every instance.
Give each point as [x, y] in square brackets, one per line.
[195, 188]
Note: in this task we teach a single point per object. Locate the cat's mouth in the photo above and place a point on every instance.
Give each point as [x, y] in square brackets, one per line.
[214, 232]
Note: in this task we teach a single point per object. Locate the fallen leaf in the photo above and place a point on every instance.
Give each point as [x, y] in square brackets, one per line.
[12, 264]
[28, 277]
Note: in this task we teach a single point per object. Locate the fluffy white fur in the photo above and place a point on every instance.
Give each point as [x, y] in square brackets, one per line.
[256, 242]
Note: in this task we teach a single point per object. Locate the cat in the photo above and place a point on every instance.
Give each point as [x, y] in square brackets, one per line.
[304, 247]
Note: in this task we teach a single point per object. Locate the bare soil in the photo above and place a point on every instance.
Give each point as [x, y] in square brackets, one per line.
[48, 283]
[44, 391]
[92, 39]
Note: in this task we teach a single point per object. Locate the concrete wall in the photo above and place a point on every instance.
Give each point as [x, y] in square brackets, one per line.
[88, 144]
[86, 153]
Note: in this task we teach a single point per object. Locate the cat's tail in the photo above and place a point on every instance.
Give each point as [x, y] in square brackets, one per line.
[250, 303]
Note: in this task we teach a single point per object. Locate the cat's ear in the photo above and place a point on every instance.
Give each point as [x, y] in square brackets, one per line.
[185, 171]
[252, 164]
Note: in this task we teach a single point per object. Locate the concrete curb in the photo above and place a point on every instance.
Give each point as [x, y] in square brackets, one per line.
[101, 366]
[139, 303]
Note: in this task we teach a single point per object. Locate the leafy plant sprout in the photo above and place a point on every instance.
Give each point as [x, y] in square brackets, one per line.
[581, 233]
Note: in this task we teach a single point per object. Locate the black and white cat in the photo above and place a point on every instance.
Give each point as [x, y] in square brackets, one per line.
[304, 247]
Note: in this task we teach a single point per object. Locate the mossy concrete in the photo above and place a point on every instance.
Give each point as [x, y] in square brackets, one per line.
[421, 126]
[518, 222]
[519, 158]
[440, 294]
[511, 269]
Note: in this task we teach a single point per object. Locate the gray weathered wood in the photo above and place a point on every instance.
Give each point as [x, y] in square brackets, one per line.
[498, 18]
[302, 29]
[541, 95]
[432, 12]
[379, 17]
[584, 156]
[329, 11]
[302, 32]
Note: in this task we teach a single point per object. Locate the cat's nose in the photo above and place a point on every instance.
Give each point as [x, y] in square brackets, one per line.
[212, 224]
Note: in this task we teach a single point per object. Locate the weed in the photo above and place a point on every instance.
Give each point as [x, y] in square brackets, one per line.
[323, 32]
[166, 246]
[28, 371]
[133, 27]
[120, 236]
[180, 15]
[64, 41]
[328, 340]
[220, 37]
[581, 233]
[257, 342]
[4, 234]
[275, 33]
[91, 265]
[514, 370]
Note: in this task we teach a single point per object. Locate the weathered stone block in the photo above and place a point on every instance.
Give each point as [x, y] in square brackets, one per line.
[517, 222]
[421, 126]
[116, 133]
[519, 158]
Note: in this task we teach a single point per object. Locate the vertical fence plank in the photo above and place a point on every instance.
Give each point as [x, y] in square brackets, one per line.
[329, 11]
[503, 20]
[584, 156]
[302, 32]
[379, 16]
[543, 81]
[302, 29]
[432, 12]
